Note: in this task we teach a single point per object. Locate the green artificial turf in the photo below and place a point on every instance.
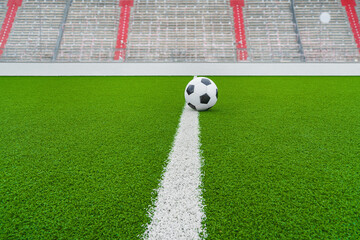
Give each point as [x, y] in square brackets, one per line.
[282, 158]
[80, 157]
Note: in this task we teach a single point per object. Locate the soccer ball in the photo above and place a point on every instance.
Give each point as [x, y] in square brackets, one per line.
[201, 94]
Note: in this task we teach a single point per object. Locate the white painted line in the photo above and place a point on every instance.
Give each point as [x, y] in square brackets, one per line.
[178, 212]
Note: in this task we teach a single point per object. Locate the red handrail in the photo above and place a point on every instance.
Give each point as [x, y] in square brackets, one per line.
[120, 52]
[353, 19]
[13, 6]
[240, 35]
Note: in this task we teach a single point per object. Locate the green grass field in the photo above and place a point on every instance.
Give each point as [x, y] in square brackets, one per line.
[80, 157]
[282, 158]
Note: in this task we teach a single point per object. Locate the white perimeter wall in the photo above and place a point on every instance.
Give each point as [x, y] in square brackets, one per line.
[179, 69]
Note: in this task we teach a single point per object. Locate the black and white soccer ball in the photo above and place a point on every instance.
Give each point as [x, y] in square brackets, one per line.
[201, 94]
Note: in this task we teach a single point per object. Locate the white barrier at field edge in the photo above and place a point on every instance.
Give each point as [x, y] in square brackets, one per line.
[179, 69]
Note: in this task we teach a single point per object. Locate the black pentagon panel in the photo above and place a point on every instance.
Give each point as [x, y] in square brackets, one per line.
[216, 94]
[190, 89]
[205, 99]
[206, 81]
[192, 106]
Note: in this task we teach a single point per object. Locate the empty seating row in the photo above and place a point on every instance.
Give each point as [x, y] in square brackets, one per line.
[333, 42]
[270, 31]
[3, 9]
[35, 31]
[90, 31]
[180, 31]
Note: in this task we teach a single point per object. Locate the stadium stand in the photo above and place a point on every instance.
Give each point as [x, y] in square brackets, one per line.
[333, 42]
[9, 18]
[270, 31]
[90, 31]
[34, 32]
[3, 10]
[179, 31]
